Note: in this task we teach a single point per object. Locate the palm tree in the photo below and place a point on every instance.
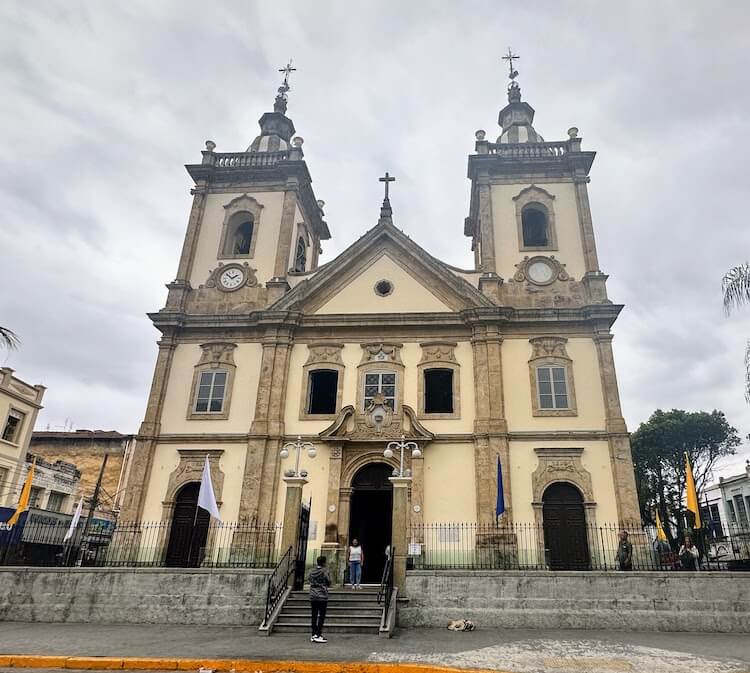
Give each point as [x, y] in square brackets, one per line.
[8, 339]
[736, 288]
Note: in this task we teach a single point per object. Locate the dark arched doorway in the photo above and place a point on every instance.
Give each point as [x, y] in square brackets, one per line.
[370, 517]
[189, 530]
[565, 540]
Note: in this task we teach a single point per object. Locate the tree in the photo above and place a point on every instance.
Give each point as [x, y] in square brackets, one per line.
[8, 339]
[736, 288]
[659, 448]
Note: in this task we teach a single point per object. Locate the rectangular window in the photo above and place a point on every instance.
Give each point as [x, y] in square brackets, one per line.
[741, 511]
[438, 391]
[12, 430]
[35, 496]
[210, 395]
[56, 501]
[552, 387]
[323, 387]
[380, 382]
[4, 483]
[732, 513]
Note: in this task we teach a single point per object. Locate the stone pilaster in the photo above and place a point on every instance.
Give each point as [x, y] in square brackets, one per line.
[143, 453]
[490, 427]
[286, 230]
[334, 484]
[416, 518]
[400, 530]
[486, 224]
[620, 455]
[261, 475]
[590, 257]
[292, 508]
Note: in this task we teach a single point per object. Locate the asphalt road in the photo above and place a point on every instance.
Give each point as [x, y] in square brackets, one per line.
[521, 651]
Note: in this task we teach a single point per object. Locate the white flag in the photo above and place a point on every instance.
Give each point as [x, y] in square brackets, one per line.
[206, 497]
[74, 522]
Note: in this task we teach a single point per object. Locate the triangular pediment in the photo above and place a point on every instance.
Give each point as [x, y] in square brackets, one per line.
[416, 281]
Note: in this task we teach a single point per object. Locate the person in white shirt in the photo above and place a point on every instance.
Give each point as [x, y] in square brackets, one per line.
[689, 555]
[356, 561]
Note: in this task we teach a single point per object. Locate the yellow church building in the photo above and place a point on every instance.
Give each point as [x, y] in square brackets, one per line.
[509, 361]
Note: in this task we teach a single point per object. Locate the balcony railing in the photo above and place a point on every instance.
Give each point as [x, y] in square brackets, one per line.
[248, 159]
[551, 150]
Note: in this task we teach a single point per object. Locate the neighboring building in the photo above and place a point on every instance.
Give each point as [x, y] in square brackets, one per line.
[729, 502]
[86, 449]
[510, 360]
[55, 485]
[20, 403]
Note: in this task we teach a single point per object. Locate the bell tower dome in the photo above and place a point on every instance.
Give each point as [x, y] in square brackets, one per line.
[529, 217]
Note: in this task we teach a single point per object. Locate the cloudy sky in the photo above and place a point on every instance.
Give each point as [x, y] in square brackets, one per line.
[103, 103]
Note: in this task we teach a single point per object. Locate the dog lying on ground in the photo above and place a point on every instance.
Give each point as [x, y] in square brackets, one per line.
[461, 625]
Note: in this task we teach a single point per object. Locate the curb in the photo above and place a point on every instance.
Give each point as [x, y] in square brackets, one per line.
[235, 665]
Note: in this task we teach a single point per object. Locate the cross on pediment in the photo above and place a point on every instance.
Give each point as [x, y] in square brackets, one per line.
[386, 178]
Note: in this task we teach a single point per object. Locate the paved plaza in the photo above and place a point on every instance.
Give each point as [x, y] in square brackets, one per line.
[519, 651]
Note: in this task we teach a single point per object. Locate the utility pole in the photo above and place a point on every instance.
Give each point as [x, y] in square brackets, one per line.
[90, 515]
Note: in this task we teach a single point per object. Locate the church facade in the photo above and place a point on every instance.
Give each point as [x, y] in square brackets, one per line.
[510, 361]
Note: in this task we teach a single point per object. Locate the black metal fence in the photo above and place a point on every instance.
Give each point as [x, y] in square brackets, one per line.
[531, 546]
[143, 544]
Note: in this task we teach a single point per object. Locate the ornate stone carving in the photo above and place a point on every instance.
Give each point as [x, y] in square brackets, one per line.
[354, 426]
[561, 464]
[438, 351]
[251, 280]
[381, 352]
[216, 353]
[543, 200]
[324, 353]
[557, 269]
[243, 203]
[548, 347]
[190, 469]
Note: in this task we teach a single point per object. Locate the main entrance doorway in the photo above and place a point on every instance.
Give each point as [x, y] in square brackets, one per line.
[188, 533]
[370, 517]
[565, 538]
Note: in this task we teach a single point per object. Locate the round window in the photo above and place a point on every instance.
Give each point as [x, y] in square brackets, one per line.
[383, 288]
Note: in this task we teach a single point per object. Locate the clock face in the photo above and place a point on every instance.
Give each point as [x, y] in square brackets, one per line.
[232, 278]
[539, 272]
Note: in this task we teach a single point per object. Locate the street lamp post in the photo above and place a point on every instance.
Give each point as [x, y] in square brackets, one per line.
[298, 445]
[402, 445]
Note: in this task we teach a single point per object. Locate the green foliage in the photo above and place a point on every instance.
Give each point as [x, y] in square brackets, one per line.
[8, 339]
[736, 288]
[659, 448]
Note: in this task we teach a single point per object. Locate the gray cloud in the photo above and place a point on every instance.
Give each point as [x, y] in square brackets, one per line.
[103, 103]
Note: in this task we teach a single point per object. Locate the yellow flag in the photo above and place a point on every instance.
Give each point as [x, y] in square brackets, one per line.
[692, 495]
[23, 501]
[660, 534]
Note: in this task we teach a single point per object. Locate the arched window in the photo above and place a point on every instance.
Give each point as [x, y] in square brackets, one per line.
[300, 255]
[243, 237]
[535, 227]
[238, 236]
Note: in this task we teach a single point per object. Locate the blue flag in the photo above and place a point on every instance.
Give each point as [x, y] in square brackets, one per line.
[500, 505]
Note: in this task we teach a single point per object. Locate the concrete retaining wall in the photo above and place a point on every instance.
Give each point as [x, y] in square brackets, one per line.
[676, 601]
[133, 595]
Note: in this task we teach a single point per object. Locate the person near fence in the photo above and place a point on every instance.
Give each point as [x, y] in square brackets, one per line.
[689, 555]
[356, 561]
[625, 552]
[320, 580]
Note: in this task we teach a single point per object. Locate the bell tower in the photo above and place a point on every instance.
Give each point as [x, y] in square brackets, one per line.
[529, 217]
[255, 223]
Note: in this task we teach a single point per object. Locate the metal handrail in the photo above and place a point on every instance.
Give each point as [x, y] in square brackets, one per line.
[386, 583]
[278, 581]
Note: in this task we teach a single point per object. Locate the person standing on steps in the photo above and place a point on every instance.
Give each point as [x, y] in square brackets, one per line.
[320, 580]
[356, 561]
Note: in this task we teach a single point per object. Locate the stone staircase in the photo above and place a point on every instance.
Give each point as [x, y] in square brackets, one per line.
[348, 612]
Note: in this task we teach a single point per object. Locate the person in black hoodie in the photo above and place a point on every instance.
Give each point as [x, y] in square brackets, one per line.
[320, 580]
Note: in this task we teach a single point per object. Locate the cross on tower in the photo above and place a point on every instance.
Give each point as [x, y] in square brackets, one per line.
[386, 178]
[287, 70]
[510, 58]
